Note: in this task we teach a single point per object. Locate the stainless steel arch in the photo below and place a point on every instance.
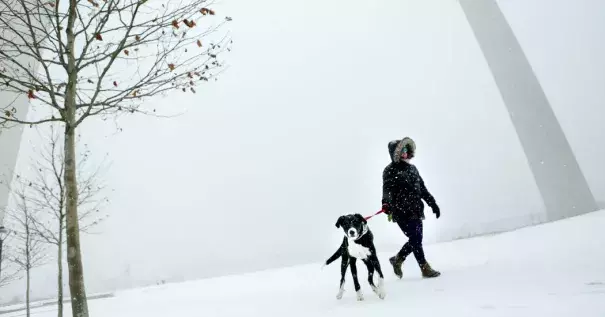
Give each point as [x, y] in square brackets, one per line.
[558, 176]
[10, 143]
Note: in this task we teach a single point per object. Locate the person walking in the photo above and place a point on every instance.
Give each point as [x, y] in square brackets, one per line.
[402, 196]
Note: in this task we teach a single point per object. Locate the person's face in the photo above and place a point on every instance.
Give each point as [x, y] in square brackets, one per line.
[406, 154]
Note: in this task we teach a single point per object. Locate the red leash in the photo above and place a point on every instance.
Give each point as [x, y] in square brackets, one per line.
[378, 213]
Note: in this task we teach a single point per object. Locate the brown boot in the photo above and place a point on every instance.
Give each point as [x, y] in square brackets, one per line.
[397, 262]
[428, 272]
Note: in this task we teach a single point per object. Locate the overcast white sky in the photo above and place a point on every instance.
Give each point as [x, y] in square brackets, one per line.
[295, 134]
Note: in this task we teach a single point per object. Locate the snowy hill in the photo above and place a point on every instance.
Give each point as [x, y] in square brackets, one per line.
[556, 269]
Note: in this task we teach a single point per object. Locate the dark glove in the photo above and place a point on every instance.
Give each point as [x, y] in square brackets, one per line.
[385, 209]
[436, 211]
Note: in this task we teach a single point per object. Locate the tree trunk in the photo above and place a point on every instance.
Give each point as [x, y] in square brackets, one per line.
[1, 259]
[27, 266]
[79, 305]
[27, 289]
[60, 269]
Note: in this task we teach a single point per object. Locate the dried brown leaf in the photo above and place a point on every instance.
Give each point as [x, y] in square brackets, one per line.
[188, 23]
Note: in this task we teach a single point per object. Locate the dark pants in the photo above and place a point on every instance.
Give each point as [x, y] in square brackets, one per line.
[413, 230]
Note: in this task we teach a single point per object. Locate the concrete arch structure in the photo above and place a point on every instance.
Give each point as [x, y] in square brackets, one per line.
[467, 73]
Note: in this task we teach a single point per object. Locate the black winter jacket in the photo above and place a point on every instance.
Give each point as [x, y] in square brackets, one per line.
[403, 190]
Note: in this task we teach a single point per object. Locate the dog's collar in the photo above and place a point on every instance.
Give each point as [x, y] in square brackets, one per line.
[363, 232]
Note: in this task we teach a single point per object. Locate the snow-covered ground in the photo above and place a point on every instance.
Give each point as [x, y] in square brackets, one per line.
[556, 269]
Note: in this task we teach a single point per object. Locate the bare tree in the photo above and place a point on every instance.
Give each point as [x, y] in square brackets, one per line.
[8, 273]
[80, 59]
[30, 252]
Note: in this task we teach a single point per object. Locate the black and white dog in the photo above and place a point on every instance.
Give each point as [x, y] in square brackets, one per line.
[358, 243]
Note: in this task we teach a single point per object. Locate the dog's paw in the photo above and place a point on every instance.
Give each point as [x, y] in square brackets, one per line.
[379, 281]
[381, 293]
[379, 289]
[375, 289]
[359, 296]
[340, 293]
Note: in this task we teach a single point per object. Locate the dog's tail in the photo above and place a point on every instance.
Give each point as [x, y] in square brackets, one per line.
[336, 254]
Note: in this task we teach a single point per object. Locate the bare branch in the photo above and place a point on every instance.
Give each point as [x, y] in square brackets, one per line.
[8, 273]
[4, 119]
[46, 192]
[30, 252]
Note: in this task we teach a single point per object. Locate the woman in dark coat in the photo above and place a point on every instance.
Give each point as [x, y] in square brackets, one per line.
[403, 193]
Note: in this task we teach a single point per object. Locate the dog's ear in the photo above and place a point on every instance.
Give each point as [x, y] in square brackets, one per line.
[339, 221]
[363, 220]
